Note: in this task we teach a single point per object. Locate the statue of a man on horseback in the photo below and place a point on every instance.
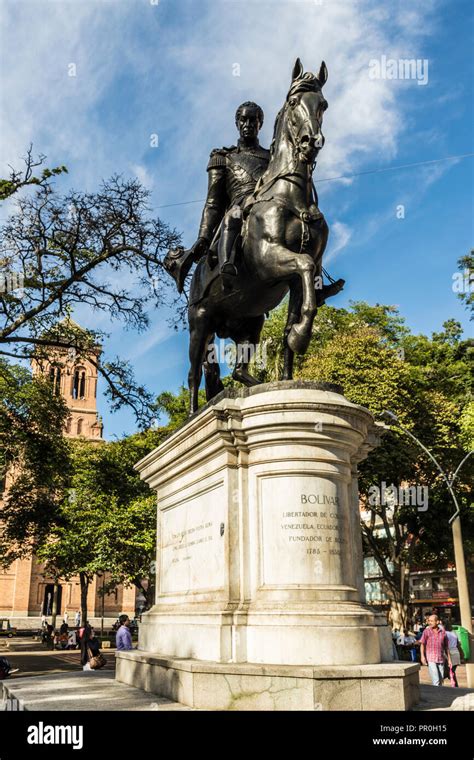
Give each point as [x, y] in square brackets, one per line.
[233, 173]
[262, 237]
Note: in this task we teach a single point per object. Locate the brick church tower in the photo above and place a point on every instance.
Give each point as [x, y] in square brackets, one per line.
[25, 592]
[76, 380]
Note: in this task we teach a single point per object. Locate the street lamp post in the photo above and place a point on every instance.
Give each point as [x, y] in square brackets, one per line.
[455, 522]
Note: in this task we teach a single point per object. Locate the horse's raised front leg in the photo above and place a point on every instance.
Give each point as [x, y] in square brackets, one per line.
[281, 264]
[299, 335]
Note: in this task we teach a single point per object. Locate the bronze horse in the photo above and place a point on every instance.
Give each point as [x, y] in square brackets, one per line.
[284, 236]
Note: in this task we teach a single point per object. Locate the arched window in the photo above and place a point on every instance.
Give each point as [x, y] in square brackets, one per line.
[68, 425]
[75, 384]
[79, 383]
[79, 426]
[82, 385]
[55, 379]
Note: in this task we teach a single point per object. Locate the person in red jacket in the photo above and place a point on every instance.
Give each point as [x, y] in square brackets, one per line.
[435, 650]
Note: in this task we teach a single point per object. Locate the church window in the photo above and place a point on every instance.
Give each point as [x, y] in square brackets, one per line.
[55, 379]
[79, 384]
[82, 385]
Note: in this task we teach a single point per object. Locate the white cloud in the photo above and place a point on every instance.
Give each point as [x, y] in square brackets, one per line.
[192, 100]
[62, 58]
[365, 116]
[143, 176]
[158, 333]
[338, 240]
[168, 69]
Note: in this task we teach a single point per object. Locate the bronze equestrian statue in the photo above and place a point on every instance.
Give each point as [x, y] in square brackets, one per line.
[232, 175]
[262, 235]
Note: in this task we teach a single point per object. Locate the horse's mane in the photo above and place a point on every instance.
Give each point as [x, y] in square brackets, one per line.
[276, 128]
[308, 82]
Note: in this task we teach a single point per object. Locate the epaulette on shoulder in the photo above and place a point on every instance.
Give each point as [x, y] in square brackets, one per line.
[218, 156]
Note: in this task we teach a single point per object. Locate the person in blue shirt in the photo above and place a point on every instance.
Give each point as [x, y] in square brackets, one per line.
[123, 639]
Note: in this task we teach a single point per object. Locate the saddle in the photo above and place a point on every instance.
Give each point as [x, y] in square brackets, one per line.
[207, 270]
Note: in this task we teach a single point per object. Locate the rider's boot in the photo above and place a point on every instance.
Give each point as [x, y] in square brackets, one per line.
[229, 233]
[178, 263]
[327, 291]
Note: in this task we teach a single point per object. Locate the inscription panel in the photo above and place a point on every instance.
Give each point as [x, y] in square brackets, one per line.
[192, 544]
[302, 531]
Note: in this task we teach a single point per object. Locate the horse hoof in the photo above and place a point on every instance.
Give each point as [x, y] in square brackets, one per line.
[298, 339]
[245, 378]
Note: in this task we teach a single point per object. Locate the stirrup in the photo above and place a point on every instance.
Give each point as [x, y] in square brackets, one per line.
[228, 269]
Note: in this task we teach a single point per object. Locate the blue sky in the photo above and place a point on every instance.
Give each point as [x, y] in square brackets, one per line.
[168, 68]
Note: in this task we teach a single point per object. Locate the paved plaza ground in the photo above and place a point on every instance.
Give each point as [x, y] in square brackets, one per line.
[52, 680]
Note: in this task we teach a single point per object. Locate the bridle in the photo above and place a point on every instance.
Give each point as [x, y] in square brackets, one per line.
[262, 188]
[295, 135]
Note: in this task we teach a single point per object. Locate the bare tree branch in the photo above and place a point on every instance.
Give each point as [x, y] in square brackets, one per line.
[101, 249]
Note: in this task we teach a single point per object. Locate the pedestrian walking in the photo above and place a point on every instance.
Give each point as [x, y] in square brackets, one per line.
[49, 636]
[78, 618]
[435, 650]
[455, 652]
[123, 637]
[406, 641]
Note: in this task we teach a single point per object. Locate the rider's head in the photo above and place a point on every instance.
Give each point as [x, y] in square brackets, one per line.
[249, 120]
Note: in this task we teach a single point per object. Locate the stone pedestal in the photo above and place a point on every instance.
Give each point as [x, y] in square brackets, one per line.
[259, 549]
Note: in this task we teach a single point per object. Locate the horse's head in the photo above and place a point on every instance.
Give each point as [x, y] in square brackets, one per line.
[305, 106]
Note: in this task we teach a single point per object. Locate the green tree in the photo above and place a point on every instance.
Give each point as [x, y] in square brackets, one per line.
[27, 176]
[464, 285]
[126, 546]
[175, 406]
[34, 460]
[108, 518]
[330, 321]
[69, 549]
[370, 352]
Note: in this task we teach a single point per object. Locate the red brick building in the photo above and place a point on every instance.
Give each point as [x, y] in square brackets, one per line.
[25, 593]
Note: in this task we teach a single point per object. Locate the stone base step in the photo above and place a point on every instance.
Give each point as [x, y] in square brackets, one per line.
[247, 686]
[78, 692]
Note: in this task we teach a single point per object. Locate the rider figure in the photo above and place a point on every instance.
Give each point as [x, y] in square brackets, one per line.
[233, 173]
